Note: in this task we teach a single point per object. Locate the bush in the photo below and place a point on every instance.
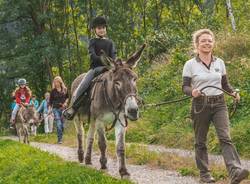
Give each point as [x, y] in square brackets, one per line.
[233, 46]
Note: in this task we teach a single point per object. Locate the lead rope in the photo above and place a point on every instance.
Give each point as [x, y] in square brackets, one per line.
[224, 91]
[204, 101]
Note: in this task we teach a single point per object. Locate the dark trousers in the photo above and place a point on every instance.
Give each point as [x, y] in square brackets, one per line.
[84, 85]
[216, 112]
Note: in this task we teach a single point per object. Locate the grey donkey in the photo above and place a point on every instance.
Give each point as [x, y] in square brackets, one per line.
[113, 100]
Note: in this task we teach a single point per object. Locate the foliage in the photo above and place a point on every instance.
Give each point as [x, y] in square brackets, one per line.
[42, 39]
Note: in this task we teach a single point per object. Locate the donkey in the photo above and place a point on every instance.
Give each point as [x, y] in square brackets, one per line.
[113, 98]
[26, 116]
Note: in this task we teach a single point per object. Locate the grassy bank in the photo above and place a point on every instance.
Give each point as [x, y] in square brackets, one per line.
[20, 163]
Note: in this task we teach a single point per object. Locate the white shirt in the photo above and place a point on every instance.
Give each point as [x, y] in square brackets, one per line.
[201, 76]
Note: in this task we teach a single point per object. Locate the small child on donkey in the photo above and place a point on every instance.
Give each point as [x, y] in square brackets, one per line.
[96, 45]
[22, 95]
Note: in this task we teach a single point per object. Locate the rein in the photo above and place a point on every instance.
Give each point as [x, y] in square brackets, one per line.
[116, 111]
[113, 110]
[204, 101]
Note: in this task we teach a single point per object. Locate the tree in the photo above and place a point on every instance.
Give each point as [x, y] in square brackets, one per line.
[230, 14]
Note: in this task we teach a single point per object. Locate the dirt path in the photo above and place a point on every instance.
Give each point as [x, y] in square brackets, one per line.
[218, 159]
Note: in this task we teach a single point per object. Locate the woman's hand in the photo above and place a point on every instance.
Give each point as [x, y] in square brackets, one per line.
[65, 105]
[196, 93]
[236, 96]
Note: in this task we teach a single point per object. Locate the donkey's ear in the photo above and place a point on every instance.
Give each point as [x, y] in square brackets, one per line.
[118, 62]
[133, 60]
[106, 60]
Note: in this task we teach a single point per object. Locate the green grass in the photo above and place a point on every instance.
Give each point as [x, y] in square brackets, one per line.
[22, 164]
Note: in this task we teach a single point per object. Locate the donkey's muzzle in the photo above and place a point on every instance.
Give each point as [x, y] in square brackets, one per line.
[133, 114]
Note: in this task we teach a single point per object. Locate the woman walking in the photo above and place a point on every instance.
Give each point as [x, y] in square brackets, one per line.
[59, 101]
[207, 70]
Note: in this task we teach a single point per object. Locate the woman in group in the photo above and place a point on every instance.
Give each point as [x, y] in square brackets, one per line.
[207, 70]
[59, 101]
[45, 109]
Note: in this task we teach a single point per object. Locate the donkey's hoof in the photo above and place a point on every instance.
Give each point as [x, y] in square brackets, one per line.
[80, 156]
[104, 167]
[80, 159]
[124, 174]
[88, 161]
[103, 161]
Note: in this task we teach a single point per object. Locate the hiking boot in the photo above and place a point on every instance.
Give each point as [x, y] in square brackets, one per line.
[239, 176]
[69, 113]
[207, 178]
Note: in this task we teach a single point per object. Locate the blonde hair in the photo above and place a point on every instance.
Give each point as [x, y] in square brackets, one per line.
[46, 94]
[197, 34]
[59, 79]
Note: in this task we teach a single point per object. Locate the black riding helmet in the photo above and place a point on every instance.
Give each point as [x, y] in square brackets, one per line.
[98, 21]
[21, 82]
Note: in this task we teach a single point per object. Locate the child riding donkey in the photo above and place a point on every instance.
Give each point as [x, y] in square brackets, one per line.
[22, 96]
[96, 46]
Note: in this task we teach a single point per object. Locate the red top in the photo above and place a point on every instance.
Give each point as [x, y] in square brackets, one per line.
[22, 95]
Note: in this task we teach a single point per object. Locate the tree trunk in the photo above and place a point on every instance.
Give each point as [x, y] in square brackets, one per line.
[49, 68]
[144, 17]
[230, 14]
[157, 18]
[76, 35]
[90, 16]
[106, 9]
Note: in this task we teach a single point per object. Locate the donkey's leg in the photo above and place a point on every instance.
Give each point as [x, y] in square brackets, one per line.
[120, 148]
[26, 134]
[102, 143]
[19, 133]
[22, 132]
[80, 137]
[90, 141]
[35, 130]
[32, 129]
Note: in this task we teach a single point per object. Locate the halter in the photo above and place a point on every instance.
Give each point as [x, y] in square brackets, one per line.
[116, 112]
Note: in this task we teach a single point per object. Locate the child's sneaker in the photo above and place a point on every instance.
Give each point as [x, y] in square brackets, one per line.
[12, 122]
